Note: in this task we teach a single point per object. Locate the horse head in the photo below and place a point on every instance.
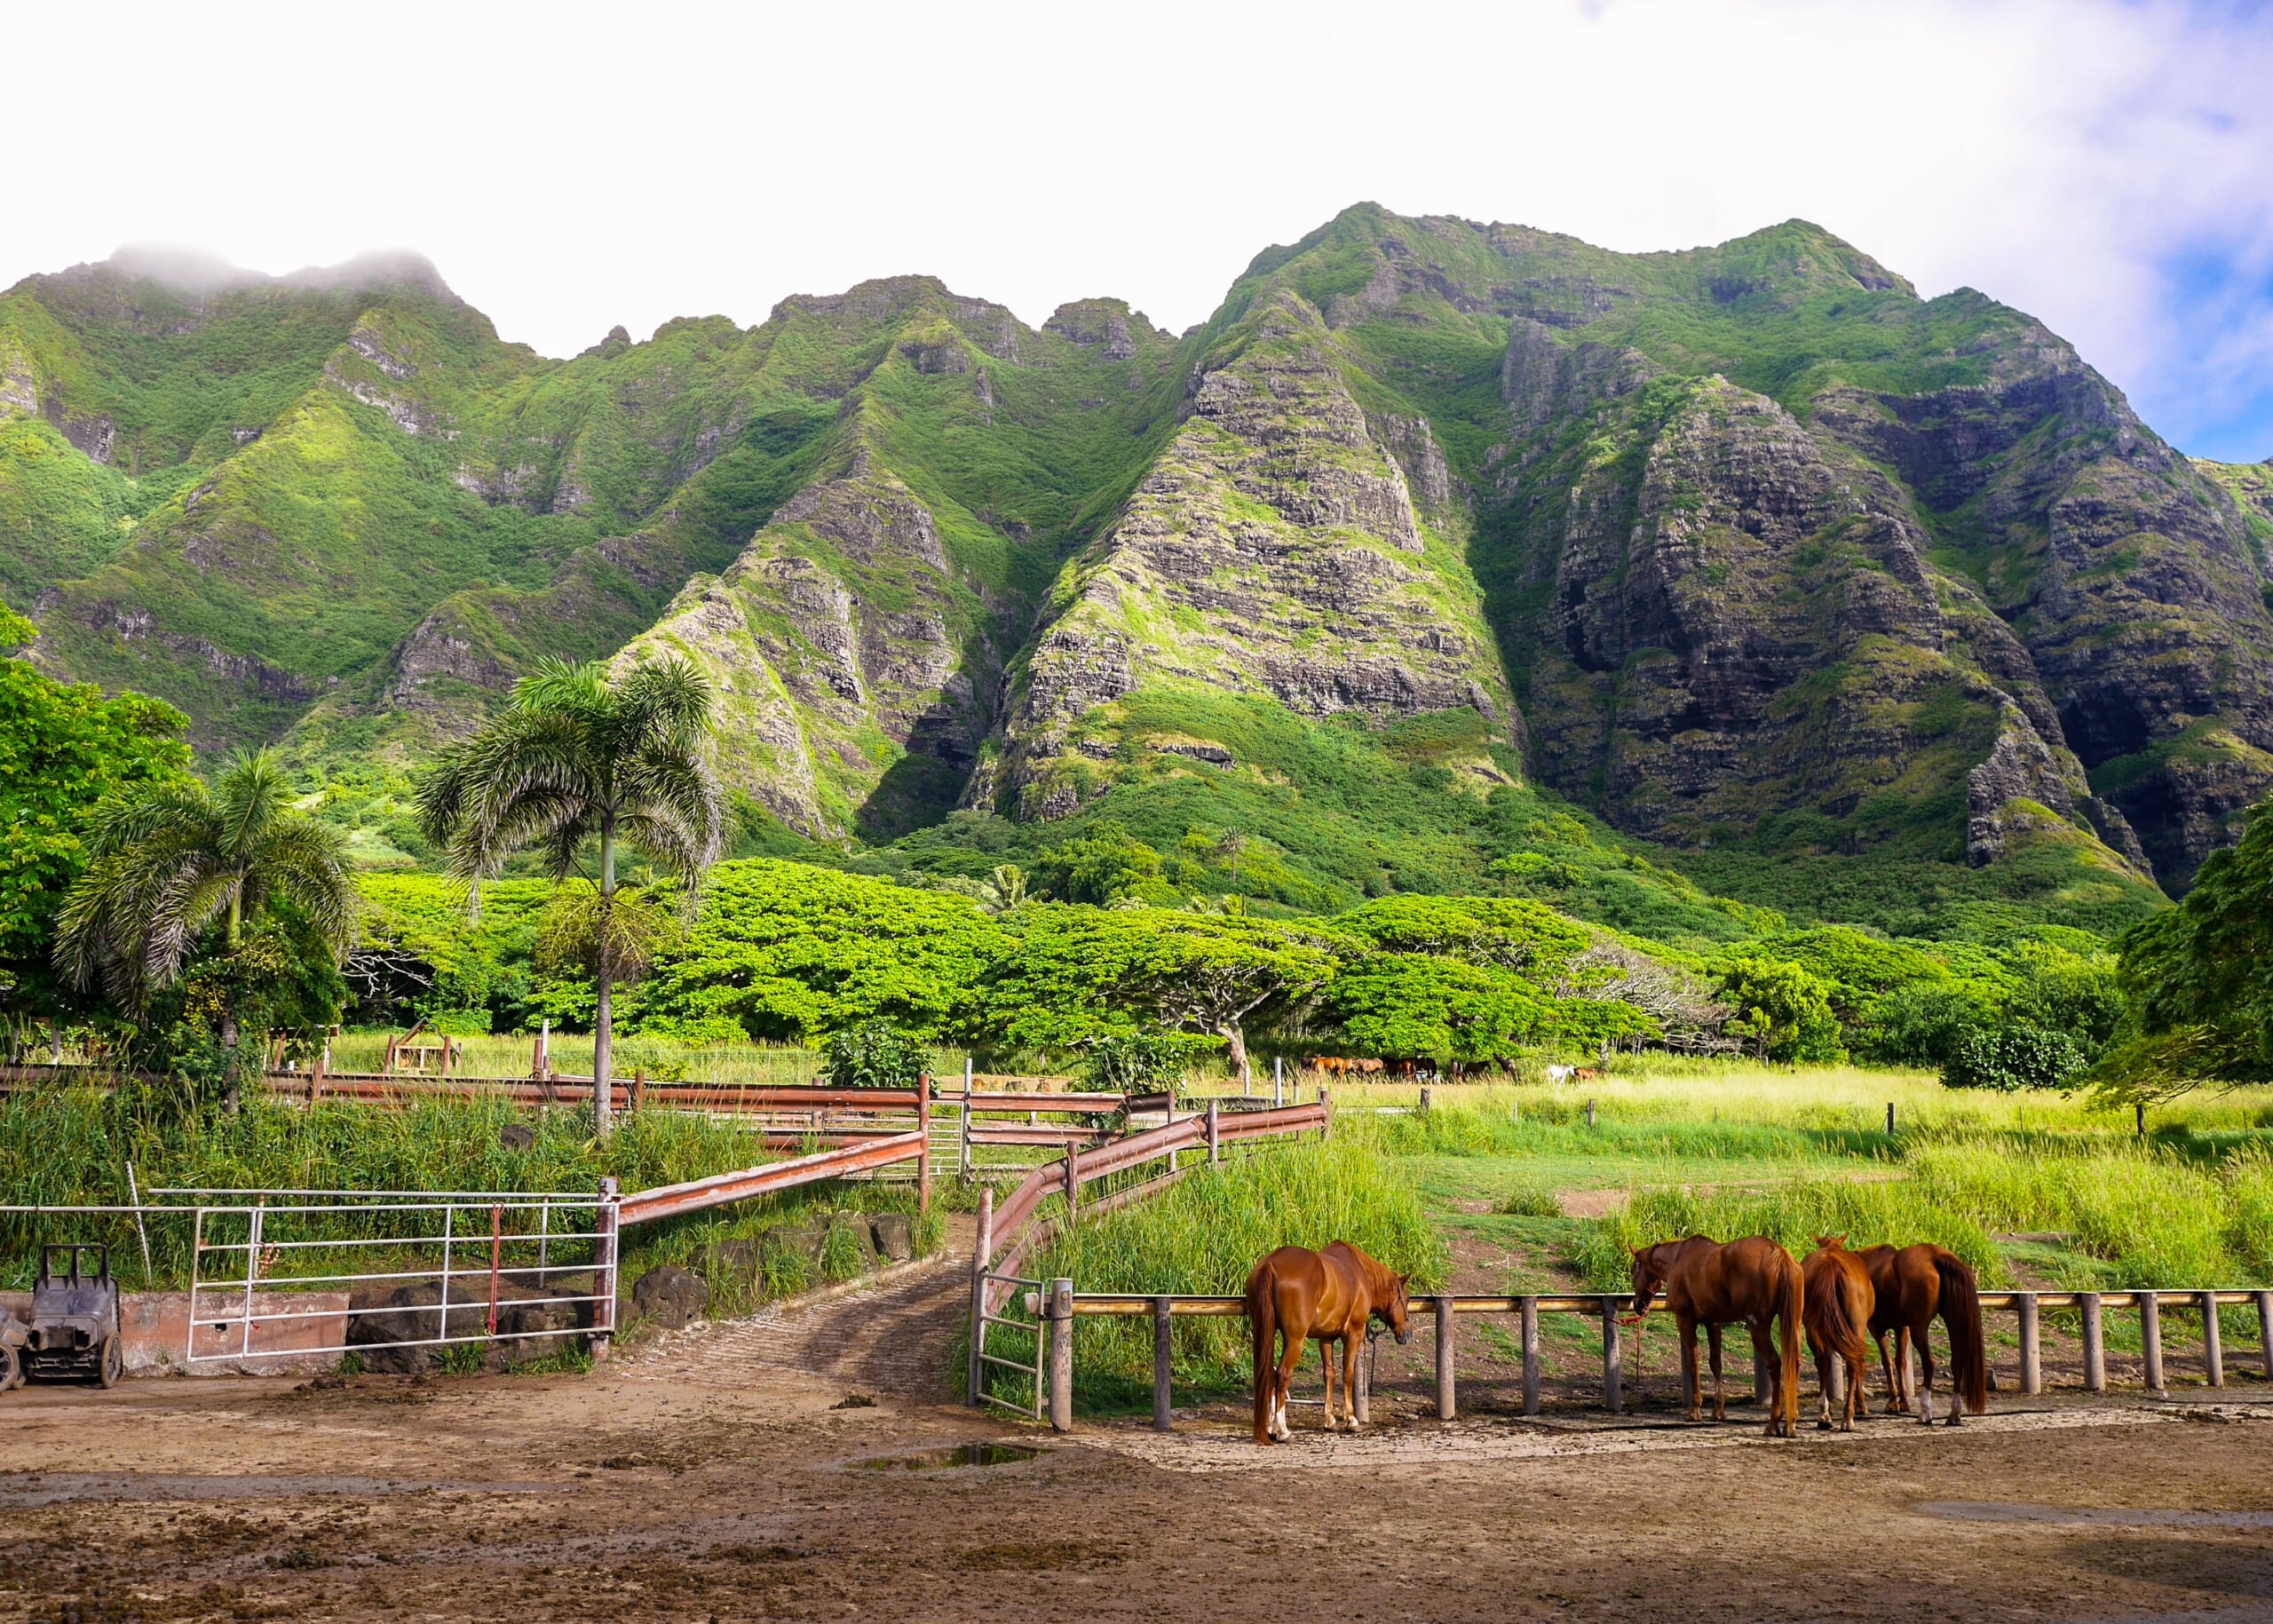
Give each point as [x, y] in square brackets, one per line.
[1649, 1274]
[1392, 1312]
[1830, 1243]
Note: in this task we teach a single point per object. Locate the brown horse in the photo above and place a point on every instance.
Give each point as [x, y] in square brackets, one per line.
[1753, 1281]
[1324, 1297]
[1910, 1287]
[1837, 1308]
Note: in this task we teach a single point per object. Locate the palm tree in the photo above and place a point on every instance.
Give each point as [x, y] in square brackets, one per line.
[580, 758]
[166, 863]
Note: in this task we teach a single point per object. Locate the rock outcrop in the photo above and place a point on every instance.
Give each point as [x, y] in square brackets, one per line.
[1272, 548]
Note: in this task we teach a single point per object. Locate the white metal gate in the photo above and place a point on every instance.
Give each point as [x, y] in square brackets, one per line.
[430, 1271]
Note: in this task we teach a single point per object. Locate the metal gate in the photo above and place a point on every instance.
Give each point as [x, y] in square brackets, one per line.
[352, 1273]
[1020, 1324]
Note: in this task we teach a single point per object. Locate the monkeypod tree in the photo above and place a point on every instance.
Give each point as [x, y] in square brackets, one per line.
[581, 761]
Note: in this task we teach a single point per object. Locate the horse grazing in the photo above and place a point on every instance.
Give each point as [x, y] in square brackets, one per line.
[1324, 1297]
[1754, 1281]
[1837, 1308]
[1912, 1286]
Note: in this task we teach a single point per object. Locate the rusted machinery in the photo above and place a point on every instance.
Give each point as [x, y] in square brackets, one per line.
[75, 1333]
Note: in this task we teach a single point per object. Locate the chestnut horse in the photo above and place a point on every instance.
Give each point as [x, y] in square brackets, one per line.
[1753, 1281]
[1837, 1310]
[1912, 1286]
[1324, 1297]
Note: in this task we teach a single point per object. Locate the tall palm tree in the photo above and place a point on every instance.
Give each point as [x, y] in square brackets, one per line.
[166, 863]
[579, 758]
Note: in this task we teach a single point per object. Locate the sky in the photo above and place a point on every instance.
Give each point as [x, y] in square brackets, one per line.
[2107, 166]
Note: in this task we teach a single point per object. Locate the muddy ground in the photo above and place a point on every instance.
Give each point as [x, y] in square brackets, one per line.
[664, 1487]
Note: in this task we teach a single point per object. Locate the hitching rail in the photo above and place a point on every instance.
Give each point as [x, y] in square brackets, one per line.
[1061, 1304]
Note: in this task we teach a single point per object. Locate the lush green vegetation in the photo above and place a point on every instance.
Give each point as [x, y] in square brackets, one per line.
[1205, 1233]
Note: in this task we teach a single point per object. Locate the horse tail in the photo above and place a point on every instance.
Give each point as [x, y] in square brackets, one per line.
[1794, 1307]
[1961, 1313]
[1841, 1334]
[1263, 1322]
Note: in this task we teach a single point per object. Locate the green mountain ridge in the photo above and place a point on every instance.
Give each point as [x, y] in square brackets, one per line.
[1746, 550]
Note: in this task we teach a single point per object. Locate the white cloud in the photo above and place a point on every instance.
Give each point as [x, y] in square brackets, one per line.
[569, 169]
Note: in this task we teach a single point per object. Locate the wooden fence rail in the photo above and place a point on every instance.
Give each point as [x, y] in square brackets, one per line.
[1606, 1307]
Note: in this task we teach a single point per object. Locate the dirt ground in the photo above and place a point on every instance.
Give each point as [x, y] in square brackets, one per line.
[698, 1478]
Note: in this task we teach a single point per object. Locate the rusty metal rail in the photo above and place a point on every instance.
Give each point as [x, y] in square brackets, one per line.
[697, 1195]
[1604, 1308]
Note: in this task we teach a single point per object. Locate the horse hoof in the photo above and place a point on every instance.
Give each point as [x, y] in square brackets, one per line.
[1823, 1426]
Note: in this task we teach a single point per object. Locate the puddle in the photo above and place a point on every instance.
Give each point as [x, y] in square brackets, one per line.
[2097, 1517]
[953, 1456]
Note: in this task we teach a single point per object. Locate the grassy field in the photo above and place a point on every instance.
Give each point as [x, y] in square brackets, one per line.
[1522, 1193]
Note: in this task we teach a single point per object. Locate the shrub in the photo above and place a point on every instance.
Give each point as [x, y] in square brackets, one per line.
[1783, 1011]
[1141, 1060]
[875, 1054]
[1529, 1204]
[2007, 1057]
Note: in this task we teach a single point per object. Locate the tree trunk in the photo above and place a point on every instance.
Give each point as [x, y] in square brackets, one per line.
[229, 1062]
[1235, 1044]
[603, 1016]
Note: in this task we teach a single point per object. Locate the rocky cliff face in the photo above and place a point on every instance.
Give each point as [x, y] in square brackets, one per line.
[1274, 548]
[1744, 545]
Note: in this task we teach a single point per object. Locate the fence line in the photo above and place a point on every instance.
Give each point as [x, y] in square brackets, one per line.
[1064, 1304]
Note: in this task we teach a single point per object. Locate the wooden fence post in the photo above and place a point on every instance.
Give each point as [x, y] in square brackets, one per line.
[638, 1088]
[2095, 1343]
[1277, 1079]
[1531, 1355]
[923, 1152]
[2213, 1350]
[1325, 1099]
[1445, 1407]
[1889, 1119]
[978, 1260]
[1061, 1356]
[1215, 1140]
[1424, 1099]
[1614, 1373]
[1163, 1350]
[2031, 1353]
[2265, 1330]
[1072, 1181]
[2151, 1337]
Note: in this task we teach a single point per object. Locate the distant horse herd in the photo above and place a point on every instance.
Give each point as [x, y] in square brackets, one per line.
[1837, 1296]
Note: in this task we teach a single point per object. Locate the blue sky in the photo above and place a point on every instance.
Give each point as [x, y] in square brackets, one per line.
[2106, 166]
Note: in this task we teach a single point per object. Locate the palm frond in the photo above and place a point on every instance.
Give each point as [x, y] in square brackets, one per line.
[306, 862]
[251, 793]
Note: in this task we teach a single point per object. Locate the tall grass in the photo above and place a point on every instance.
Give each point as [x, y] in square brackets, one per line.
[1205, 1234]
[73, 1147]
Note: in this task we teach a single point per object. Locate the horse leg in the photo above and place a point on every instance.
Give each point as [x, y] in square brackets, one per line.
[1823, 1356]
[1764, 1346]
[1326, 1363]
[1926, 1388]
[1902, 1368]
[1689, 1365]
[1351, 1348]
[1886, 1364]
[1288, 1365]
[1720, 1388]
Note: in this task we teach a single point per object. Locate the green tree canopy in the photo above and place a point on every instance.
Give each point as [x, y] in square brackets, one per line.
[786, 951]
[1783, 1012]
[1071, 975]
[2197, 980]
[170, 862]
[64, 748]
[1414, 1006]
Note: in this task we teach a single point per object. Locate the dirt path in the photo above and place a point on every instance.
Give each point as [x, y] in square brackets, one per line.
[891, 1332]
[618, 1496]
